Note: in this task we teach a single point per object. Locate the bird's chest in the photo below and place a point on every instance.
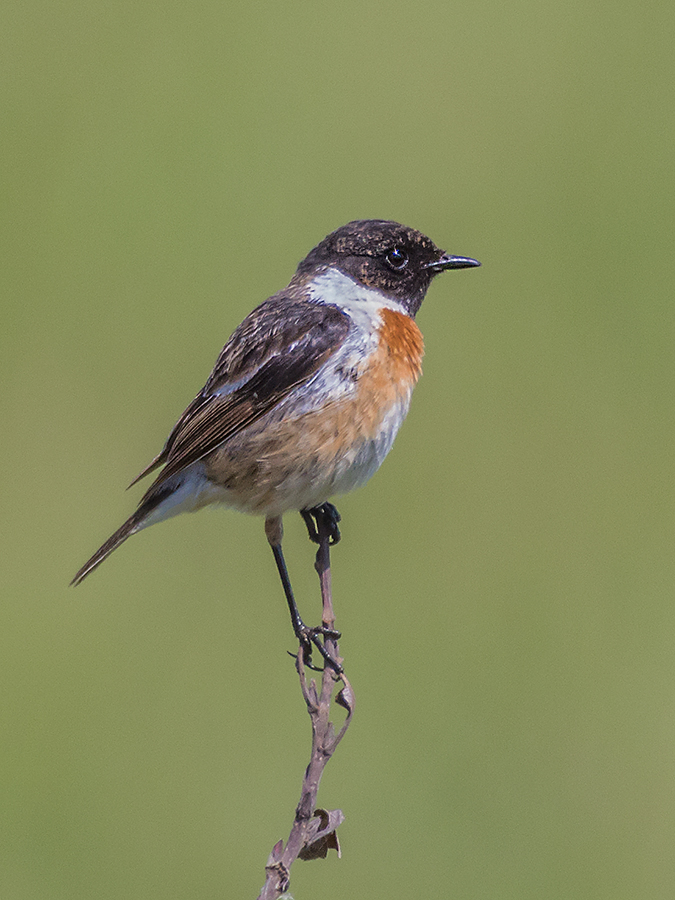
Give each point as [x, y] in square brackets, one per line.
[334, 433]
[354, 434]
[391, 370]
[374, 377]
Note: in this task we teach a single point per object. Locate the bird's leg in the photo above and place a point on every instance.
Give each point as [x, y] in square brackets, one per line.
[307, 636]
[322, 520]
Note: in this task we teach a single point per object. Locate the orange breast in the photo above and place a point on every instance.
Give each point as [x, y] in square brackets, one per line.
[391, 372]
[401, 347]
[394, 368]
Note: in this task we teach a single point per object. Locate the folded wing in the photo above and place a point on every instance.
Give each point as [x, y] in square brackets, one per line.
[277, 347]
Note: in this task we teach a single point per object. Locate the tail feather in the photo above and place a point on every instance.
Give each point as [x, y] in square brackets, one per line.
[159, 460]
[158, 503]
[131, 525]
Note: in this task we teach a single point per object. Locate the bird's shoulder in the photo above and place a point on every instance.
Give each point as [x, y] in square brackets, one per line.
[283, 328]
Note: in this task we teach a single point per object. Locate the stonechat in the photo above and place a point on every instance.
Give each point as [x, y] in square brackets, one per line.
[307, 395]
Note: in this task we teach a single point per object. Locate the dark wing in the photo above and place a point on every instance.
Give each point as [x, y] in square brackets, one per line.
[280, 345]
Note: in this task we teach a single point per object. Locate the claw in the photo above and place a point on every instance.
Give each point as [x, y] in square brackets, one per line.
[308, 636]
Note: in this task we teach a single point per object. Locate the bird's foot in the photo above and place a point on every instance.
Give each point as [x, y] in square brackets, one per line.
[322, 521]
[311, 637]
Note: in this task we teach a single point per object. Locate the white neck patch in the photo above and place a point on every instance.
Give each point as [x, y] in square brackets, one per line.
[360, 302]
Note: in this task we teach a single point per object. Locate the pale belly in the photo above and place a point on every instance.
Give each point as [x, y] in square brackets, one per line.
[299, 463]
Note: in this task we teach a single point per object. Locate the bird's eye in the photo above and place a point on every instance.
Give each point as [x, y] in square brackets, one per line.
[397, 259]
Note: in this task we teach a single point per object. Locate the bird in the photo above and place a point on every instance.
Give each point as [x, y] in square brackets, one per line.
[307, 395]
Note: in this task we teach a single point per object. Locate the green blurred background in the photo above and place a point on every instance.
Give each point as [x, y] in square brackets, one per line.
[505, 583]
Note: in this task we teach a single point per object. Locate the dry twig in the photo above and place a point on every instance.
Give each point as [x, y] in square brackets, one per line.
[313, 832]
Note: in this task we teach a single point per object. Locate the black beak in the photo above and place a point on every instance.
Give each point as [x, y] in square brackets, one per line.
[451, 262]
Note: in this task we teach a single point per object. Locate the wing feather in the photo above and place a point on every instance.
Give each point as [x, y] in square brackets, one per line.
[278, 346]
